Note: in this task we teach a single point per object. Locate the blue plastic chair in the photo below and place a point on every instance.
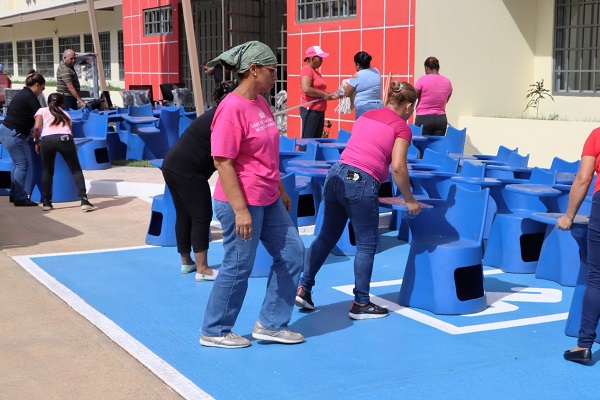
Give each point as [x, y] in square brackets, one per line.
[161, 229]
[168, 124]
[287, 144]
[140, 137]
[515, 240]
[6, 166]
[264, 261]
[95, 155]
[444, 273]
[560, 165]
[343, 136]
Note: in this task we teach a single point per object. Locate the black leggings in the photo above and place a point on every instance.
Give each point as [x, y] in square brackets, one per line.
[51, 145]
[193, 206]
[433, 124]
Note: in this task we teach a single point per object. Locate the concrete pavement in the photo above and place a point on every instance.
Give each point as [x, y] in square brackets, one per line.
[47, 350]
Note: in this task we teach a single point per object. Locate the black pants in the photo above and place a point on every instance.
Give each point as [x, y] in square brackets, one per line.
[64, 145]
[433, 124]
[70, 102]
[193, 207]
[313, 123]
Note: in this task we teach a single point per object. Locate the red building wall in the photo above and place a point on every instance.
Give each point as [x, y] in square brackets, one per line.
[149, 60]
[382, 28]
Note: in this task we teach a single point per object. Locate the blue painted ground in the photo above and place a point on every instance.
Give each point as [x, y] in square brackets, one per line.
[399, 357]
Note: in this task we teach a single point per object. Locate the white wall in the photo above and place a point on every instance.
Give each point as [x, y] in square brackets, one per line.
[492, 51]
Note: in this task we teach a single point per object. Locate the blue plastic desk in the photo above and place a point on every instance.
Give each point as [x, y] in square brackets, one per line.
[309, 163]
[422, 142]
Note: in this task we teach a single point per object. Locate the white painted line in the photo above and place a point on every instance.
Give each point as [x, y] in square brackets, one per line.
[157, 365]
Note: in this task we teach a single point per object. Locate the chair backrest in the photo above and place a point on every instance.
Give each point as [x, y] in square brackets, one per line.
[516, 160]
[560, 165]
[542, 177]
[416, 130]
[432, 157]
[168, 124]
[96, 126]
[286, 143]
[144, 87]
[343, 136]
[413, 152]
[472, 170]
[310, 153]
[449, 164]
[141, 111]
[456, 139]
[504, 152]
[327, 153]
[461, 216]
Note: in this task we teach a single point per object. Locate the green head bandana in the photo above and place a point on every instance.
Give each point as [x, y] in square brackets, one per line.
[240, 57]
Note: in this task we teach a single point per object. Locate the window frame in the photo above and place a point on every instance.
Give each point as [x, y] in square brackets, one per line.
[158, 21]
[304, 7]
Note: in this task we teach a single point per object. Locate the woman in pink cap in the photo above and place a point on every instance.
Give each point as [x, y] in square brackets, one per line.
[313, 88]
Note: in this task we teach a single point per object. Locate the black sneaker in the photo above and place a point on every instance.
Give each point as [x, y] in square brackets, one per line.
[86, 205]
[368, 311]
[24, 203]
[47, 206]
[304, 299]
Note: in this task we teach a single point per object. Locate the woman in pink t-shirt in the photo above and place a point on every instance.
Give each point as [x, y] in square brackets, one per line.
[379, 138]
[590, 311]
[252, 206]
[53, 126]
[313, 89]
[433, 93]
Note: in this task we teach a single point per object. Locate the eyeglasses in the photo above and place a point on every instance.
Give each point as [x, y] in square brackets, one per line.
[272, 69]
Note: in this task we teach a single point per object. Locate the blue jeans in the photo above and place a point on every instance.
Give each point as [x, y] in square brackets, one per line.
[590, 313]
[15, 144]
[313, 123]
[349, 193]
[363, 108]
[273, 226]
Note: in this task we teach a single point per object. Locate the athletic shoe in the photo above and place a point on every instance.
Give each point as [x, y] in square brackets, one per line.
[24, 203]
[86, 205]
[304, 299]
[47, 206]
[229, 341]
[368, 311]
[186, 269]
[272, 335]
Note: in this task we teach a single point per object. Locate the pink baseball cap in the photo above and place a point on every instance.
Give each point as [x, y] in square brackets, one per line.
[313, 51]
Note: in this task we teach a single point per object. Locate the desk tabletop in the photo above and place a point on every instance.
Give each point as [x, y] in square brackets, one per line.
[533, 189]
[505, 167]
[138, 120]
[552, 218]
[398, 203]
[473, 180]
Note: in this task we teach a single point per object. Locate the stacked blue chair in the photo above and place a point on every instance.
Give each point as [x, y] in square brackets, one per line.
[186, 118]
[444, 273]
[161, 230]
[169, 128]
[453, 142]
[286, 143]
[139, 137]
[95, 155]
[343, 136]
[264, 261]
[515, 239]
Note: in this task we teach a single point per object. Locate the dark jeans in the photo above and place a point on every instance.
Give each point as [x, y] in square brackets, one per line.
[313, 123]
[348, 193]
[433, 124]
[193, 207]
[64, 145]
[16, 145]
[591, 296]
[70, 102]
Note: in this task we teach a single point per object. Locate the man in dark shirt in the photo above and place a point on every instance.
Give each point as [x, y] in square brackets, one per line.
[67, 81]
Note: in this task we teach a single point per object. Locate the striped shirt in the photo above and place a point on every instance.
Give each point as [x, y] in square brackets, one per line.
[66, 74]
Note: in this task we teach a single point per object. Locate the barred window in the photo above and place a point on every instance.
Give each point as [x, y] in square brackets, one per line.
[24, 57]
[69, 42]
[44, 57]
[88, 47]
[310, 10]
[577, 47]
[6, 56]
[121, 55]
[158, 21]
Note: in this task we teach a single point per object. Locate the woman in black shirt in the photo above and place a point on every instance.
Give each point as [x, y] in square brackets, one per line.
[187, 167]
[15, 130]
